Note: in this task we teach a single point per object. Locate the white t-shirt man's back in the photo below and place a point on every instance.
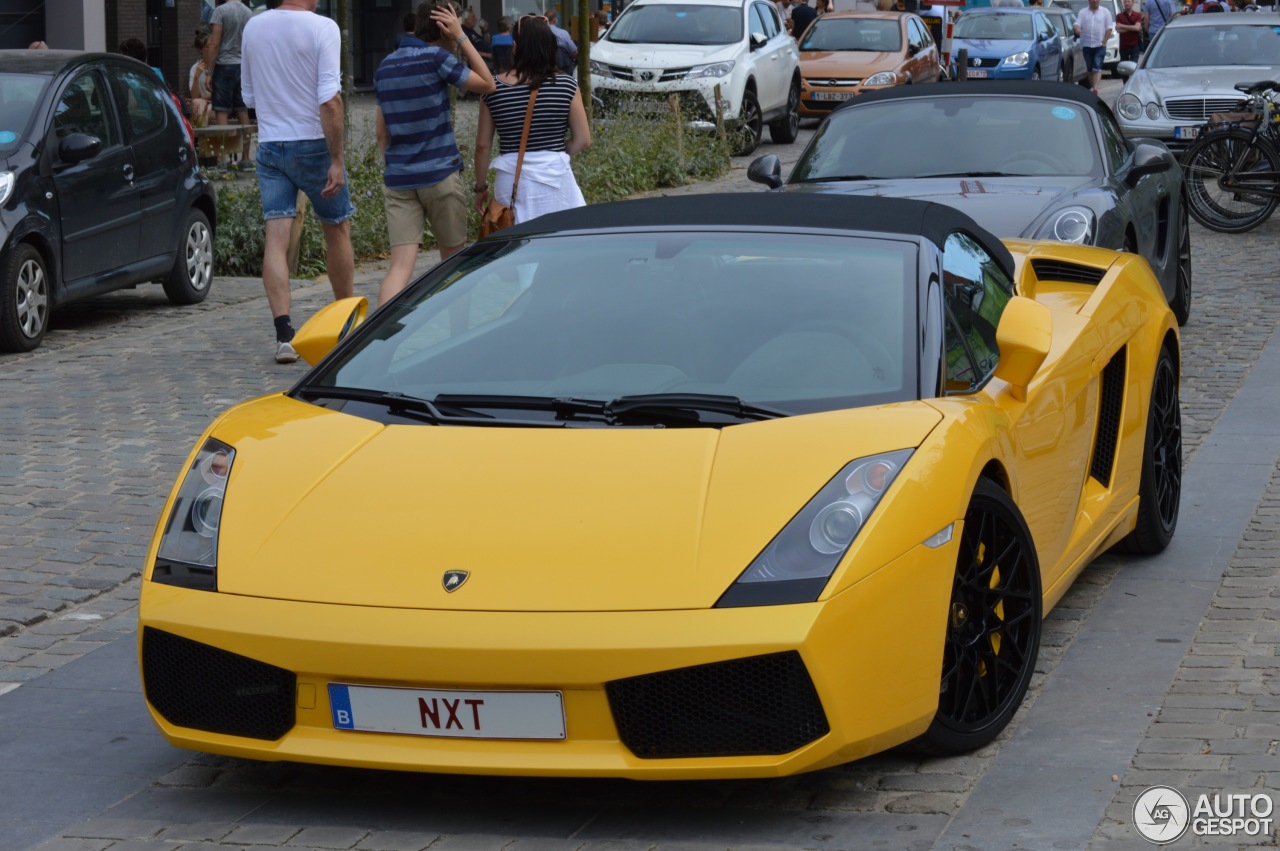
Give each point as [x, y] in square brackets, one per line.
[291, 63]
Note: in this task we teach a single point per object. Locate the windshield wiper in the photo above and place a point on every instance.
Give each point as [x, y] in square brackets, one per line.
[686, 407]
[968, 174]
[562, 405]
[396, 402]
[838, 178]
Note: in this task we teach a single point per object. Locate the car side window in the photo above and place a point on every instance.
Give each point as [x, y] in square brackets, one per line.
[1114, 146]
[926, 38]
[142, 102]
[772, 23]
[975, 293]
[914, 41]
[756, 21]
[83, 108]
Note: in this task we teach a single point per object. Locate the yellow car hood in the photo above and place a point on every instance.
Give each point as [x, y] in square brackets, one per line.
[327, 507]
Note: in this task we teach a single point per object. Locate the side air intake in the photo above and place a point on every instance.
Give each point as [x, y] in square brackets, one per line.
[1110, 404]
[1067, 273]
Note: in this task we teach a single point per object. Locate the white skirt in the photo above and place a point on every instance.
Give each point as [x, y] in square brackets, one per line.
[546, 185]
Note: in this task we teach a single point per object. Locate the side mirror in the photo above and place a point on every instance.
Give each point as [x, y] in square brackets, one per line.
[766, 170]
[758, 40]
[79, 147]
[1126, 68]
[331, 323]
[1148, 158]
[1023, 335]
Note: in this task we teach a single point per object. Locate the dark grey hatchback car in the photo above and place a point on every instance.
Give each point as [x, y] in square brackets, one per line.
[99, 188]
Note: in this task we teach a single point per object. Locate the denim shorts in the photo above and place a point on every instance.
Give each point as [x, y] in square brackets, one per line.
[284, 168]
[227, 96]
[1093, 57]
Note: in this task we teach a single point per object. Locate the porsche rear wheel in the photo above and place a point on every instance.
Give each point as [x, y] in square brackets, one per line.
[1181, 303]
[1160, 487]
[993, 627]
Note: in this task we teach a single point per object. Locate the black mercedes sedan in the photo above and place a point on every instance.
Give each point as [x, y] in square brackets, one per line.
[1036, 160]
[99, 188]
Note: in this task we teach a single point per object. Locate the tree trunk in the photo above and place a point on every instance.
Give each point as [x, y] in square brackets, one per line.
[343, 14]
[586, 23]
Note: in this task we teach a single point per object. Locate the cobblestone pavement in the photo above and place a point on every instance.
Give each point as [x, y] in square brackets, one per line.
[98, 421]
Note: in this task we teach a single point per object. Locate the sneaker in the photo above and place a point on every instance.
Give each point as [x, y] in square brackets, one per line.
[285, 353]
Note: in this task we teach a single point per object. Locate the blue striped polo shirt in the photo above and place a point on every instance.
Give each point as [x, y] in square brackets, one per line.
[411, 85]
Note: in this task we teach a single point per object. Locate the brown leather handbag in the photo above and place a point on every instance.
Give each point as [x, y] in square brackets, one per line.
[500, 216]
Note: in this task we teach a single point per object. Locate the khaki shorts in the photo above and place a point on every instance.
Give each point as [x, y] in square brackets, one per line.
[444, 205]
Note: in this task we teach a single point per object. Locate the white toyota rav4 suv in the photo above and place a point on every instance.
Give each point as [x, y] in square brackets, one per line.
[657, 48]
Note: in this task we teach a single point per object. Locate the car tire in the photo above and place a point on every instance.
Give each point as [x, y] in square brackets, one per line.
[1160, 485]
[1035, 73]
[1181, 303]
[192, 274]
[786, 129]
[749, 126]
[993, 623]
[26, 291]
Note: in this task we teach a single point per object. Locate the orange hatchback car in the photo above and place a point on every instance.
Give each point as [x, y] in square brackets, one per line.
[845, 53]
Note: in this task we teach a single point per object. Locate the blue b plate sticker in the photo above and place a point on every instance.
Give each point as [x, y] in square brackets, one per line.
[340, 703]
[1066, 113]
[7, 136]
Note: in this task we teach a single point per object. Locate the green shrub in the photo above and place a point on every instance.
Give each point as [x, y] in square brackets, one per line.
[628, 155]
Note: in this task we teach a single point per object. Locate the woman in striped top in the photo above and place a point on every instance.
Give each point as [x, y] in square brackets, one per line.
[546, 183]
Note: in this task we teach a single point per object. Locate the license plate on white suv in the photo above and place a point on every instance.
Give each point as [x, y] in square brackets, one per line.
[448, 713]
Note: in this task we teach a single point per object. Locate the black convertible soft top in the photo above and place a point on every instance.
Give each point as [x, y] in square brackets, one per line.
[774, 211]
[983, 88]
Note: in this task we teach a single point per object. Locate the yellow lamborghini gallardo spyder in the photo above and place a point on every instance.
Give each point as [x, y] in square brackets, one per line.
[719, 486]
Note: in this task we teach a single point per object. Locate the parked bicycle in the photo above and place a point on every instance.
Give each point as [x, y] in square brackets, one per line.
[1232, 171]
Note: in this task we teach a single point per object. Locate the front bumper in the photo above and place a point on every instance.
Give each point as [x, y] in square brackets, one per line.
[872, 652]
[697, 98]
[818, 97]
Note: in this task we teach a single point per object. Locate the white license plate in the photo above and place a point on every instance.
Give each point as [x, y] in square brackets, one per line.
[976, 73]
[1186, 132]
[448, 713]
[646, 107]
[832, 95]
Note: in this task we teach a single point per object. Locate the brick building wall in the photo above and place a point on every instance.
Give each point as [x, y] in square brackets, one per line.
[167, 31]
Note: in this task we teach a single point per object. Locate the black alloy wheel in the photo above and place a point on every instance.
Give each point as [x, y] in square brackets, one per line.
[786, 129]
[750, 125]
[1181, 303]
[26, 291]
[1160, 486]
[993, 626]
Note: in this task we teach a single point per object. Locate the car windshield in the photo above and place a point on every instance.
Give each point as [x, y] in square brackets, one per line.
[866, 34]
[19, 94]
[797, 322]
[662, 23]
[1238, 44]
[994, 25]
[953, 135]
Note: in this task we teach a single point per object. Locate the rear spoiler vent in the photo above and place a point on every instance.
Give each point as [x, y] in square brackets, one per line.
[1067, 273]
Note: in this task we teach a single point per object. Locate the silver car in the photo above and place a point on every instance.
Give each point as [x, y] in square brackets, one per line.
[1064, 21]
[1190, 72]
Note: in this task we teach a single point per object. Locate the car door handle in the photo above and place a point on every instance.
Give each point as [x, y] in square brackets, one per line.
[128, 173]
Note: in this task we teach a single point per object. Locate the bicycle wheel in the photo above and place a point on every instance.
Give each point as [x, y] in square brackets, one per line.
[1226, 154]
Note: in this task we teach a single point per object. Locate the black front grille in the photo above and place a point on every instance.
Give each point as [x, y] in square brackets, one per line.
[204, 688]
[1069, 273]
[616, 103]
[1110, 406]
[983, 62]
[743, 707]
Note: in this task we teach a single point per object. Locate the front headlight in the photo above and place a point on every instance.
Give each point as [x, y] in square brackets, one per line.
[1073, 224]
[795, 566]
[715, 69]
[600, 68]
[1129, 107]
[188, 554]
[1153, 111]
[884, 78]
[1018, 60]
[6, 186]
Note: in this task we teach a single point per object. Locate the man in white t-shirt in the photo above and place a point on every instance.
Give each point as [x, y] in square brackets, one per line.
[290, 74]
[1093, 27]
